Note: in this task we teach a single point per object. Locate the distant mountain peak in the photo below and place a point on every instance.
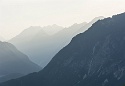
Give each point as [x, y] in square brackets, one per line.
[78, 24]
[83, 23]
[33, 28]
[93, 58]
[98, 18]
[52, 29]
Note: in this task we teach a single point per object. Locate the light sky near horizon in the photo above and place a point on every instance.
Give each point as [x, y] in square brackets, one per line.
[17, 15]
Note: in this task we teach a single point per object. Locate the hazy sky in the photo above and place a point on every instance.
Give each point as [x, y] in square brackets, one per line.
[17, 15]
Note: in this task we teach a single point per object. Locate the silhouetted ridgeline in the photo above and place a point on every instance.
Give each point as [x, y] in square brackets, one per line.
[13, 63]
[93, 58]
[42, 47]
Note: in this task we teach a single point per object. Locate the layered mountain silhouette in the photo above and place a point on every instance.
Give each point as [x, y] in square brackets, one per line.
[52, 29]
[13, 62]
[41, 47]
[93, 58]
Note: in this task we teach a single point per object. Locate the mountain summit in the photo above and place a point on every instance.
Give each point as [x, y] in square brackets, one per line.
[42, 47]
[93, 58]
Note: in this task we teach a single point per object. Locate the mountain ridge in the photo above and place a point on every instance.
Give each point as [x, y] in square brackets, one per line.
[14, 61]
[93, 58]
[43, 46]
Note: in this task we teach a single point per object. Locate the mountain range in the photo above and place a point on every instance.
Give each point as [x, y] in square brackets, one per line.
[12, 61]
[42, 47]
[93, 58]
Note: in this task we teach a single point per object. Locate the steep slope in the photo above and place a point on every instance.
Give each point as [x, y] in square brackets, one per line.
[13, 61]
[88, 25]
[53, 44]
[41, 47]
[50, 46]
[93, 58]
[33, 38]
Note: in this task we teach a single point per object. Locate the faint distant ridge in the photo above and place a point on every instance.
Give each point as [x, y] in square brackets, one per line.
[93, 58]
[88, 25]
[41, 47]
[52, 29]
[13, 63]
[28, 33]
